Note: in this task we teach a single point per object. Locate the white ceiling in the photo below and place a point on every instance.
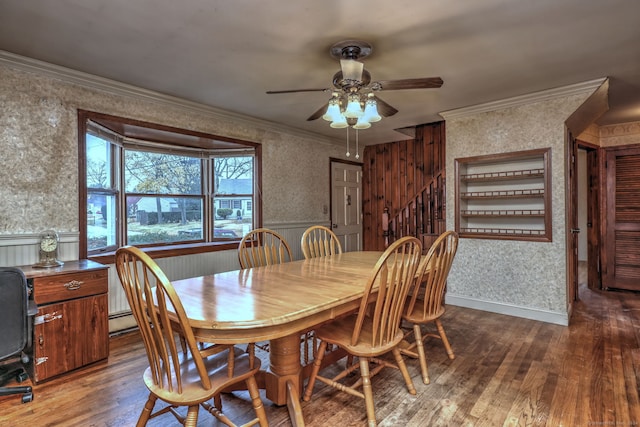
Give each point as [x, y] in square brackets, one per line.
[227, 54]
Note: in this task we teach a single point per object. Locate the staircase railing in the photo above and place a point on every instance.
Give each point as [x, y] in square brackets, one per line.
[421, 217]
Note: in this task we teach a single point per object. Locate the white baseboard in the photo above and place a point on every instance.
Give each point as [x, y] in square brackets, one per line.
[508, 309]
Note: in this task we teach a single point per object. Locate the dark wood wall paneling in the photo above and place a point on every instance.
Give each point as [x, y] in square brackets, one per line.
[408, 178]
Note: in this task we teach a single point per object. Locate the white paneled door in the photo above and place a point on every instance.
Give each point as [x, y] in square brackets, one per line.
[346, 204]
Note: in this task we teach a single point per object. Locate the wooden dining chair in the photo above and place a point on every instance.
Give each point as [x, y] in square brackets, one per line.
[426, 302]
[318, 241]
[262, 247]
[180, 379]
[375, 329]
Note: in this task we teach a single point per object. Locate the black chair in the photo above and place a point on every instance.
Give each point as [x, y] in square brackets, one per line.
[15, 311]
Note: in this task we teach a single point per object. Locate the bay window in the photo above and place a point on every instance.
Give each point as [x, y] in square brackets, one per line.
[152, 186]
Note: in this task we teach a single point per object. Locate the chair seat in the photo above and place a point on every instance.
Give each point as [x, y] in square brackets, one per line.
[339, 333]
[417, 315]
[192, 391]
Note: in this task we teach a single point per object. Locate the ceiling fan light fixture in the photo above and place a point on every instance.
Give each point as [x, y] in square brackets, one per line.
[362, 123]
[351, 69]
[353, 103]
[354, 109]
[333, 110]
[371, 114]
[340, 122]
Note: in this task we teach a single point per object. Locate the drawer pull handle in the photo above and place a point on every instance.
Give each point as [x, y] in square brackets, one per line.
[73, 285]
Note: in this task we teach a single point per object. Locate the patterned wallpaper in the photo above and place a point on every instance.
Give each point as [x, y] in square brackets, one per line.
[38, 140]
[612, 135]
[513, 273]
[620, 134]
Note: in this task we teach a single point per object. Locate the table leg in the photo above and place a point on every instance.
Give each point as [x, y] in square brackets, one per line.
[293, 404]
[283, 381]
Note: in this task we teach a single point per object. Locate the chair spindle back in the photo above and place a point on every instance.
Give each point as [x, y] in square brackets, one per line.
[152, 298]
[319, 241]
[262, 247]
[394, 274]
[431, 281]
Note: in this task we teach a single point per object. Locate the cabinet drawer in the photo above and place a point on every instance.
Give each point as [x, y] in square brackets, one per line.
[68, 286]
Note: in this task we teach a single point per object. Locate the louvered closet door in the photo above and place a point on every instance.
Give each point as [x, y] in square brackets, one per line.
[622, 239]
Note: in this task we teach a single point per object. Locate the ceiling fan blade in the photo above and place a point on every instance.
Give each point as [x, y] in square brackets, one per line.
[385, 109]
[422, 83]
[297, 90]
[318, 113]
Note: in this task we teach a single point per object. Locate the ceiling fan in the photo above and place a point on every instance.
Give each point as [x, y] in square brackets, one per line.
[353, 101]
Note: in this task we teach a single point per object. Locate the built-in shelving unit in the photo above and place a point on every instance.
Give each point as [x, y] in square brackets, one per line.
[504, 196]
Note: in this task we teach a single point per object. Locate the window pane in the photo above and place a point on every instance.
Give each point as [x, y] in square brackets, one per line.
[233, 196]
[160, 173]
[233, 175]
[98, 162]
[101, 221]
[237, 220]
[163, 219]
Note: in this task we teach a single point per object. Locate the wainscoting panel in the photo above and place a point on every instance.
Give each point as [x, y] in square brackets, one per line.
[23, 249]
[292, 233]
[175, 268]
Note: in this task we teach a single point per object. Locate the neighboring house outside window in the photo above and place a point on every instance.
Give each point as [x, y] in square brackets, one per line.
[233, 195]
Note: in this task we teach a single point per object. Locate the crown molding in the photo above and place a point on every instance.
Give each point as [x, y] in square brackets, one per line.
[114, 87]
[530, 98]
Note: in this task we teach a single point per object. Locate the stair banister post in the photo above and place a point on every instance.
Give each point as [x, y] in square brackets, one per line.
[385, 226]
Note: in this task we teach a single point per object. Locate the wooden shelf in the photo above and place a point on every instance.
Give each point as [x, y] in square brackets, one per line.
[506, 194]
[503, 175]
[503, 231]
[503, 213]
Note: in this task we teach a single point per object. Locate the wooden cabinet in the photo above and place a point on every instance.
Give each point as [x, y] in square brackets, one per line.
[71, 328]
[504, 196]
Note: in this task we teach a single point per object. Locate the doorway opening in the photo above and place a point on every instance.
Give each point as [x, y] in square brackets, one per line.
[346, 203]
[588, 207]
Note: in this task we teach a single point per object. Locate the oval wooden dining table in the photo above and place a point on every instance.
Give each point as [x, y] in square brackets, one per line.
[276, 303]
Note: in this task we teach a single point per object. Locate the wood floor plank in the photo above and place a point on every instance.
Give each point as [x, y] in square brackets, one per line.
[528, 408]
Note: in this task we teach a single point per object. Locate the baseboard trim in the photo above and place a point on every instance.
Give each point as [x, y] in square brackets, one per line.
[121, 322]
[509, 309]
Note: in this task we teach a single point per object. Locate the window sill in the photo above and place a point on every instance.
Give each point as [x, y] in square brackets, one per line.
[170, 251]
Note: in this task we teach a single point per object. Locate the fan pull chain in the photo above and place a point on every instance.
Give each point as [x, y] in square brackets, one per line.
[357, 151]
[348, 153]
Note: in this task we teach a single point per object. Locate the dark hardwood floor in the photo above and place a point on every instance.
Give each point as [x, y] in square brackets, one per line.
[507, 372]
